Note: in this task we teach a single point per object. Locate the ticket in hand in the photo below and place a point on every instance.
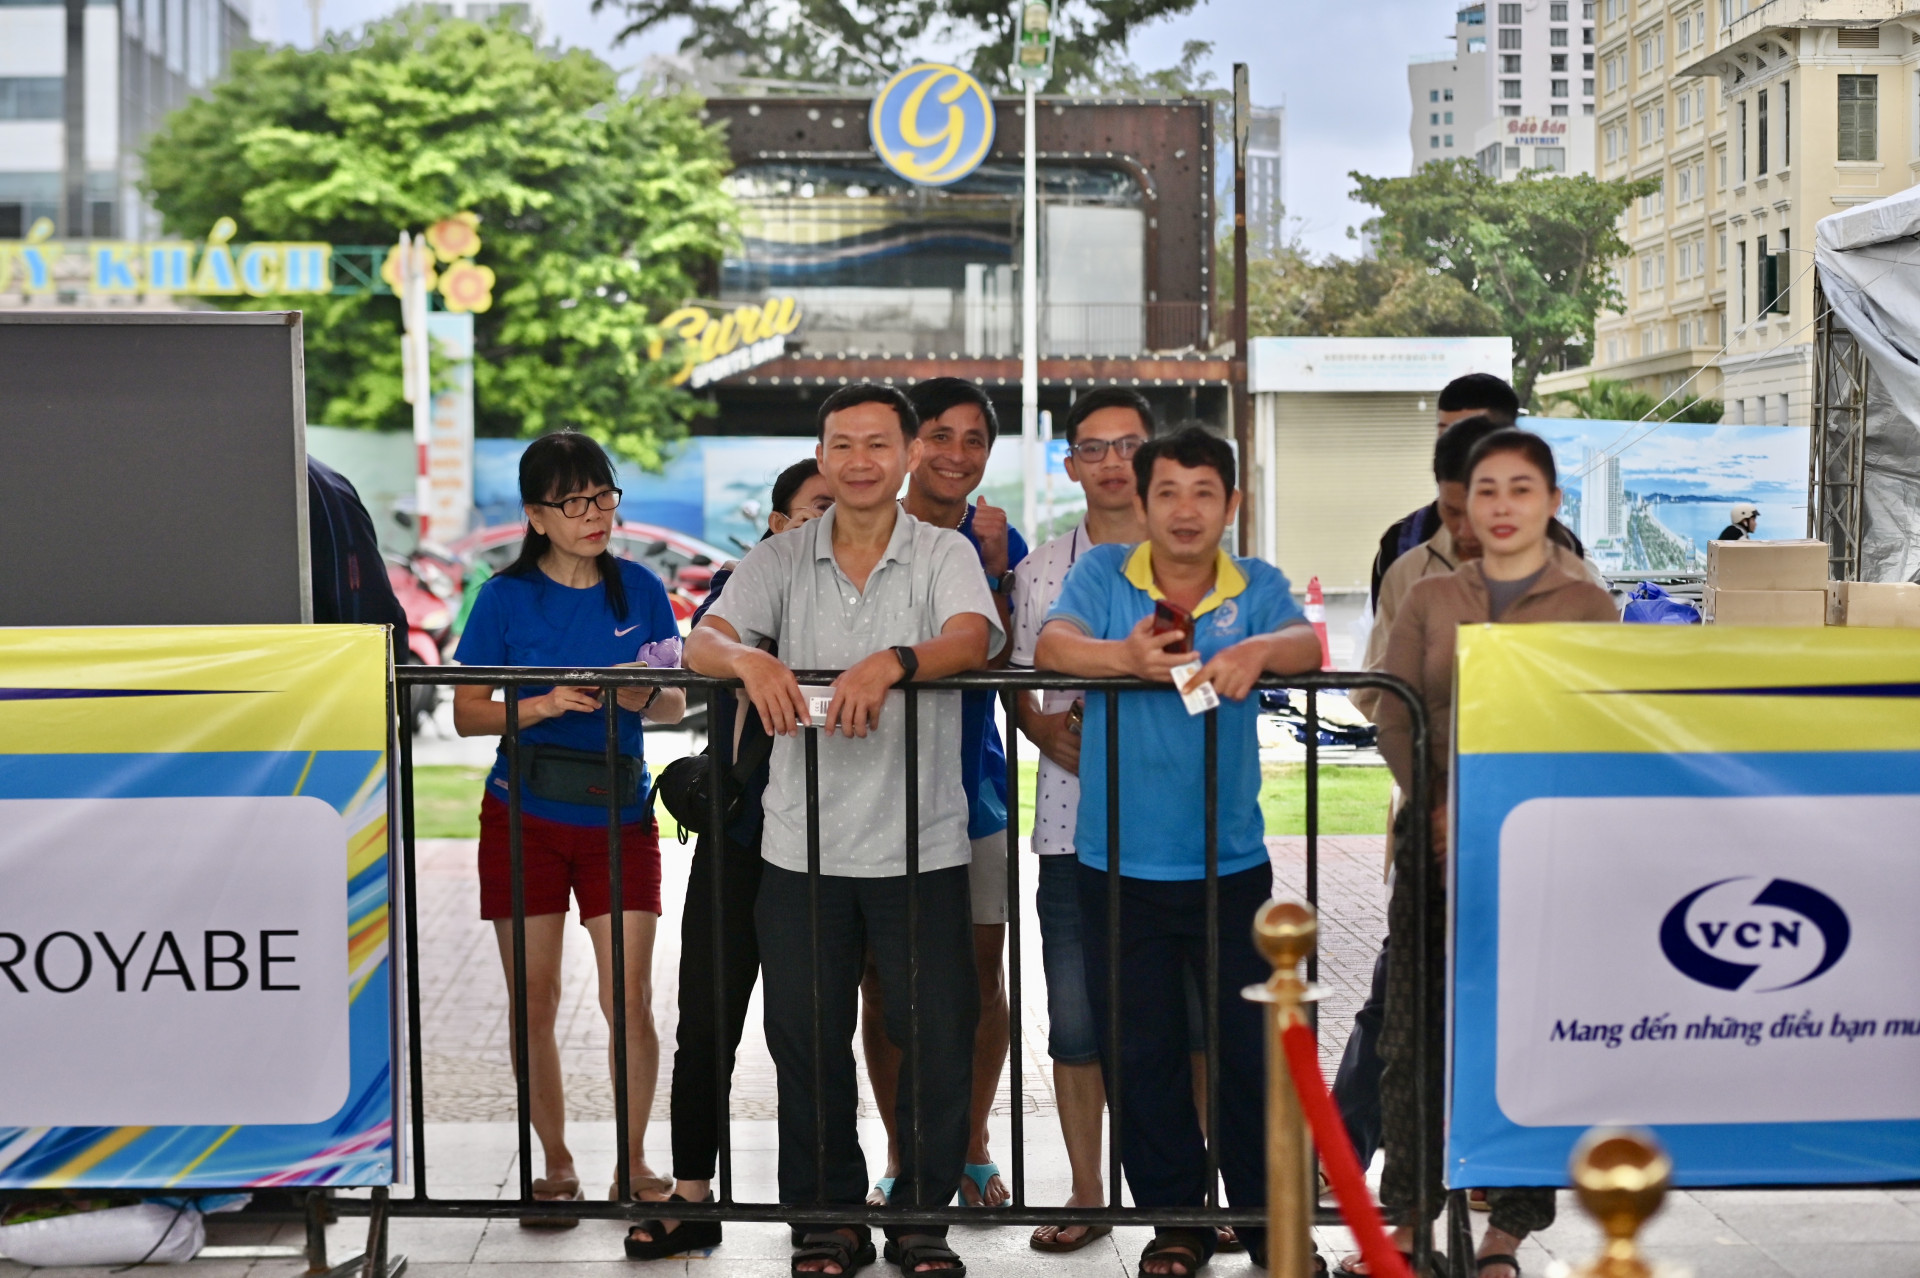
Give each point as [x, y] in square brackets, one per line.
[818, 700]
[1202, 698]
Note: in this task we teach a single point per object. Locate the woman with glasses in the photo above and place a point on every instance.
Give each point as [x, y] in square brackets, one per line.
[567, 601]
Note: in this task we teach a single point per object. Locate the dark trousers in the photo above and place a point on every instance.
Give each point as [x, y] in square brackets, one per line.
[1163, 945]
[708, 1036]
[1518, 1210]
[857, 915]
[1356, 1086]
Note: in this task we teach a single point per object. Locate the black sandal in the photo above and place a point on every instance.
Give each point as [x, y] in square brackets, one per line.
[910, 1251]
[834, 1248]
[1498, 1258]
[688, 1235]
[1184, 1247]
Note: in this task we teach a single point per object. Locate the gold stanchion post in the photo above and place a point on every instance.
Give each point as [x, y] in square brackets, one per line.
[1621, 1176]
[1285, 932]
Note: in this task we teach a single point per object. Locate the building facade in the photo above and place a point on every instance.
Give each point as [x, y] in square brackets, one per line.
[1757, 121]
[1656, 122]
[1820, 117]
[894, 282]
[82, 85]
[1266, 187]
[1517, 90]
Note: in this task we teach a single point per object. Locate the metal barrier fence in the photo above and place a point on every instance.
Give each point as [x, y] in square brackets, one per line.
[1411, 859]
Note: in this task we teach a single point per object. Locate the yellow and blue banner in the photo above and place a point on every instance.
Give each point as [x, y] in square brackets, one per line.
[1684, 885]
[195, 978]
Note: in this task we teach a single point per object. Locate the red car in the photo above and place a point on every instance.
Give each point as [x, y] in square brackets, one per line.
[686, 564]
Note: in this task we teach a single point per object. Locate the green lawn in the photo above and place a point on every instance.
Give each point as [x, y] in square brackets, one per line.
[446, 801]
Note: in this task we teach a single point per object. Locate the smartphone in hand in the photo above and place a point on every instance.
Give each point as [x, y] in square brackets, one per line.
[1171, 618]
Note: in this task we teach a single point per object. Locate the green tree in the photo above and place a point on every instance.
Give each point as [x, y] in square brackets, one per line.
[1605, 400]
[596, 211]
[1536, 249]
[1291, 295]
[836, 42]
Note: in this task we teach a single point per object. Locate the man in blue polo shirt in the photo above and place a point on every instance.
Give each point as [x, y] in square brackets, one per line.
[1246, 624]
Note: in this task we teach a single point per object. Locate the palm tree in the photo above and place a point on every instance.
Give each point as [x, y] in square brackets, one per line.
[1605, 400]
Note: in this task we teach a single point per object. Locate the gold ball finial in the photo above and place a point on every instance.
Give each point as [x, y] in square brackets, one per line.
[1285, 932]
[1622, 1177]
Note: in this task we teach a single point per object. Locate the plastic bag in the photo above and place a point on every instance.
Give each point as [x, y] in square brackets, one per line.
[162, 1232]
[1651, 606]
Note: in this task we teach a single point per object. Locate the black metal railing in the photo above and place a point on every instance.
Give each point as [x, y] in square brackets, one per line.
[1010, 685]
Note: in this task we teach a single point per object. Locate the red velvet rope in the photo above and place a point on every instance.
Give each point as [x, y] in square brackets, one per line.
[1336, 1154]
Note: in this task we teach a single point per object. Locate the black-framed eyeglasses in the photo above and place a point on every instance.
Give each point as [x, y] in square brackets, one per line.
[576, 507]
[1094, 449]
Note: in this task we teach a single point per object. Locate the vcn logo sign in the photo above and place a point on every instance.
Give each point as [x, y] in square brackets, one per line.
[1725, 934]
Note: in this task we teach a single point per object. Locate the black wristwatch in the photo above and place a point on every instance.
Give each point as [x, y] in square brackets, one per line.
[909, 662]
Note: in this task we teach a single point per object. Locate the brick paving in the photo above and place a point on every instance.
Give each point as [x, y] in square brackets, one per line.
[465, 1028]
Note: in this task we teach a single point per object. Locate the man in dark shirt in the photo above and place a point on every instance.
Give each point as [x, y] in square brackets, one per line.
[1475, 395]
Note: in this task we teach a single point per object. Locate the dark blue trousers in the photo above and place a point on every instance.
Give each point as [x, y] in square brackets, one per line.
[1163, 939]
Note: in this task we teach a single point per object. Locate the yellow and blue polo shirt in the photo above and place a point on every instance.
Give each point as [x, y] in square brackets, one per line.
[1162, 747]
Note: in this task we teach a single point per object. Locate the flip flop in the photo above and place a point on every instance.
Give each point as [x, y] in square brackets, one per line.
[884, 1188]
[979, 1174]
[1059, 1248]
[564, 1189]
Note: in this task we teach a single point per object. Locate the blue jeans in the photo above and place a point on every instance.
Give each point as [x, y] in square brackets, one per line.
[1073, 1037]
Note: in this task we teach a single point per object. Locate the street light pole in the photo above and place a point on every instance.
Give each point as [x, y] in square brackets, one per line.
[1032, 65]
[1029, 324]
[1242, 401]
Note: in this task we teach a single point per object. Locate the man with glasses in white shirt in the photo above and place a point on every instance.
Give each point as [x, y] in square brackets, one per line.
[1104, 429]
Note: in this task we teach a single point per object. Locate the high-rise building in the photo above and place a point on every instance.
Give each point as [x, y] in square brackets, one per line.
[1449, 92]
[1657, 122]
[82, 85]
[1266, 193]
[1521, 81]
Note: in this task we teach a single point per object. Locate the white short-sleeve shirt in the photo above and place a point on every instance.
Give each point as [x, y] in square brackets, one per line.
[1036, 584]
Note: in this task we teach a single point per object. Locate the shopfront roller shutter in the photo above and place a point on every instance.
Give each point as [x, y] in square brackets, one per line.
[1346, 466]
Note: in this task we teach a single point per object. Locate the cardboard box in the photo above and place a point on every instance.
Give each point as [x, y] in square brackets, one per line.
[1767, 565]
[1764, 607]
[1874, 603]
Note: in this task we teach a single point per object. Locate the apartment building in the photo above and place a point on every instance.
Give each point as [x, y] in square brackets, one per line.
[1820, 115]
[1516, 91]
[1449, 92]
[1266, 178]
[1655, 122]
[82, 85]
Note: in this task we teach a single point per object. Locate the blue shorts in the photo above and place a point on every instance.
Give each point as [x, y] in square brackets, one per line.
[1072, 1038]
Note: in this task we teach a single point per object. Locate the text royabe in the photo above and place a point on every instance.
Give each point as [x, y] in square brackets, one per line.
[64, 962]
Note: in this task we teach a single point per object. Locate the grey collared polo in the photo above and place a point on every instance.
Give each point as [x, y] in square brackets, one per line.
[790, 589]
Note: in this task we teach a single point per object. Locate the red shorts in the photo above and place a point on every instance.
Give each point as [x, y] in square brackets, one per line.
[557, 858]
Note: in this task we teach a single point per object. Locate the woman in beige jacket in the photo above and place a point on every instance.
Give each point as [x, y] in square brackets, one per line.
[1512, 493]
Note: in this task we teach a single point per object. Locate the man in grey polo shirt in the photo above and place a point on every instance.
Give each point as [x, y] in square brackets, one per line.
[870, 590]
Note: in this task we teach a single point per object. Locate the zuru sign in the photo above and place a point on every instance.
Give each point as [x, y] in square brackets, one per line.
[709, 347]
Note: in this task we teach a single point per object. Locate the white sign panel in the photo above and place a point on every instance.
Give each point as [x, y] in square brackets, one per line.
[176, 961]
[1709, 960]
[1412, 365]
[449, 459]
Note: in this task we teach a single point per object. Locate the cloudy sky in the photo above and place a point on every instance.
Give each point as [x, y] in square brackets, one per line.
[1339, 68]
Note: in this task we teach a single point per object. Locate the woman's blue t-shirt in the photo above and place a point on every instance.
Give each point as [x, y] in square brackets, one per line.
[533, 620]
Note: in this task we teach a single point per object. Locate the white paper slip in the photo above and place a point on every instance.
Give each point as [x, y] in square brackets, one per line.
[1202, 698]
[819, 697]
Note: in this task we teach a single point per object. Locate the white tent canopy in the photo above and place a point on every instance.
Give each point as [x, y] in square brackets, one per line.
[1869, 262]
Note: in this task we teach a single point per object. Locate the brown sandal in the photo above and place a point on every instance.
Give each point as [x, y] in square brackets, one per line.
[642, 1185]
[1060, 1247]
[564, 1189]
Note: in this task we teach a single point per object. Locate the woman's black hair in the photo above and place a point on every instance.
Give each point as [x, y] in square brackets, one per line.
[1529, 445]
[791, 480]
[553, 466]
